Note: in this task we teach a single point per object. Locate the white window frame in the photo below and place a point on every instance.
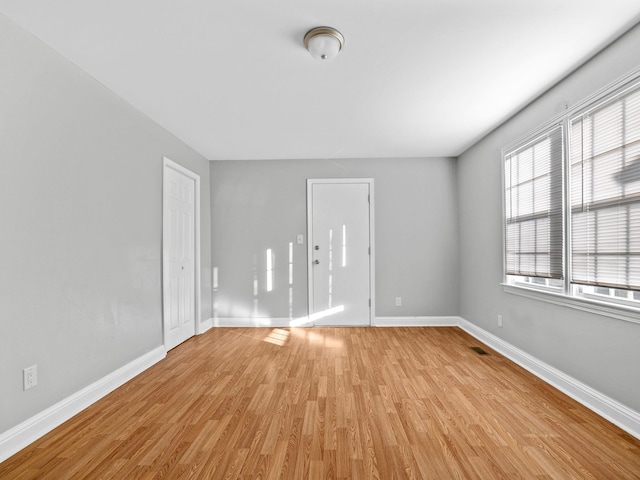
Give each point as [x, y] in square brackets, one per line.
[567, 295]
[542, 207]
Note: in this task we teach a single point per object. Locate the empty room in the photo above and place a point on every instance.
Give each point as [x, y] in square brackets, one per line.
[189, 191]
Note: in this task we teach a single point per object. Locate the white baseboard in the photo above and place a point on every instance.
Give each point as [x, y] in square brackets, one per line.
[204, 326]
[18, 437]
[252, 322]
[617, 413]
[378, 322]
[417, 321]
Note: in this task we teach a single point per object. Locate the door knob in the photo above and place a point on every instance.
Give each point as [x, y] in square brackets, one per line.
[316, 262]
[316, 247]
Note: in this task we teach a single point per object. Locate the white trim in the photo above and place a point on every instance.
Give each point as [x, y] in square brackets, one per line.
[168, 163]
[372, 265]
[18, 437]
[620, 312]
[257, 322]
[266, 322]
[205, 326]
[417, 321]
[284, 322]
[617, 413]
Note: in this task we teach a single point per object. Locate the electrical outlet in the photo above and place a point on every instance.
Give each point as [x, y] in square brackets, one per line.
[500, 321]
[30, 377]
[398, 301]
[300, 239]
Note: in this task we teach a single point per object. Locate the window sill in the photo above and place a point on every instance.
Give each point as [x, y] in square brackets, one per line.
[620, 312]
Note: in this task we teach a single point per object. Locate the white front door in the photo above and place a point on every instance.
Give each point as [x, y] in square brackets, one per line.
[179, 253]
[340, 252]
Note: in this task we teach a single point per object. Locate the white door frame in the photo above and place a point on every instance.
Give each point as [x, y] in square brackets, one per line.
[169, 164]
[372, 283]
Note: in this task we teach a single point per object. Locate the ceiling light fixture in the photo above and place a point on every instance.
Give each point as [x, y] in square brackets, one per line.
[323, 43]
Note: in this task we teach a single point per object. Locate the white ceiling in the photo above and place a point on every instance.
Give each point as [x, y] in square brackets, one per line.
[416, 78]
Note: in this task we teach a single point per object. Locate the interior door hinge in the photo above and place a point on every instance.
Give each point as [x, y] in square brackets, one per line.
[369, 302]
[369, 198]
[369, 250]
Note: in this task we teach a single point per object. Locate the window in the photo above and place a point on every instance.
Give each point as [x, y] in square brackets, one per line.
[533, 207]
[595, 254]
[605, 194]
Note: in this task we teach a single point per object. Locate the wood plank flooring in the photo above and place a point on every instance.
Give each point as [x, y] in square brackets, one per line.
[332, 403]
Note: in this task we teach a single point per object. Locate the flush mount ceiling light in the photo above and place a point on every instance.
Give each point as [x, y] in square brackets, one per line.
[323, 43]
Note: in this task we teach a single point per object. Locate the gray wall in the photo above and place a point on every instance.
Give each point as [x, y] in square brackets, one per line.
[81, 196]
[600, 351]
[256, 205]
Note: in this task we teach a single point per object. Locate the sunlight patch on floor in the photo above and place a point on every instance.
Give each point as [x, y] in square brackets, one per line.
[277, 336]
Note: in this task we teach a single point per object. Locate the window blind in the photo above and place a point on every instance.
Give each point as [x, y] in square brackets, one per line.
[533, 178]
[605, 193]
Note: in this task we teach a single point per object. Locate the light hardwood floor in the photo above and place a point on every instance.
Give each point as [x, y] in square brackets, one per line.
[344, 403]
